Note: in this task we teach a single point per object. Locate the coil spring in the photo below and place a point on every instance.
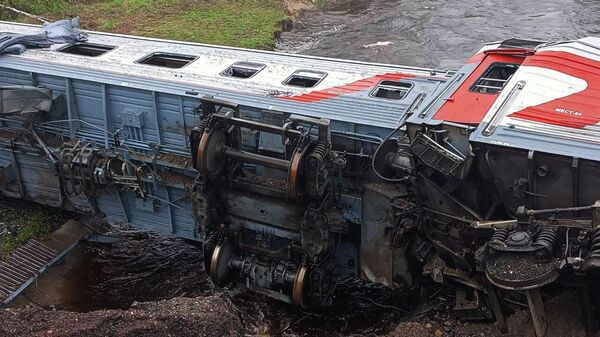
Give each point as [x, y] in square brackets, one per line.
[595, 246]
[202, 125]
[315, 180]
[320, 151]
[500, 235]
[547, 238]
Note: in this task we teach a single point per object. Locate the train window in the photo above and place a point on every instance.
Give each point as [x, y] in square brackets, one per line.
[305, 78]
[86, 49]
[391, 90]
[494, 78]
[167, 60]
[243, 69]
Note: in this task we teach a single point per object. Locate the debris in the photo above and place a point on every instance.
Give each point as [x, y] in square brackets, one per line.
[181, 317]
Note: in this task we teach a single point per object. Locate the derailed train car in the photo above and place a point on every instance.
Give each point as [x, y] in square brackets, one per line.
[296, 171]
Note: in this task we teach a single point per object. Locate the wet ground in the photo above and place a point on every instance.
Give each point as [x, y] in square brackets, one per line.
[433, 33]
[147, 267]
[149, 284]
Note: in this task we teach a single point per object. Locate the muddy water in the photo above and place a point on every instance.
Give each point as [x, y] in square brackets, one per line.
[433, 33]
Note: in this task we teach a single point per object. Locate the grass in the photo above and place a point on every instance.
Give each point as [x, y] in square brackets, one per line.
[242, 23]
[239, 23]
[27, 221]
[37, 6]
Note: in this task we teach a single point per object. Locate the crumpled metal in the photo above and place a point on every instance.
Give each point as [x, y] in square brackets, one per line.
[63, 31]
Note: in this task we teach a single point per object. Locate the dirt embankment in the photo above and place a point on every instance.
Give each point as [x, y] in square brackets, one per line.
[180, 317]
[295, 8]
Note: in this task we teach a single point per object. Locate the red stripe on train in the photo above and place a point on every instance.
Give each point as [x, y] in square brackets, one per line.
[350, 88]
[575, 111]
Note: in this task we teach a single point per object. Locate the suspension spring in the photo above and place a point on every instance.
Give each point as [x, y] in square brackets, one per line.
[320, 151]
[547, 239]
[498, 240]
[202, 125]
[500, 235]
[595, 245]
[316, 179]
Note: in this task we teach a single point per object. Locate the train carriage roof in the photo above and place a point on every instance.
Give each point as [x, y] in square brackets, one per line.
[315, 86]
[551, 104]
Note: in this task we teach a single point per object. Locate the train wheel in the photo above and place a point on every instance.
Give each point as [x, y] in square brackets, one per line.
[299, 290]
[210, 163]
[220, 272]
[208, 249]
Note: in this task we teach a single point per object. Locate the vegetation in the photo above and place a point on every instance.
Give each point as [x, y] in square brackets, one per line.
[37, 6]
[240, 23]
[22, 221]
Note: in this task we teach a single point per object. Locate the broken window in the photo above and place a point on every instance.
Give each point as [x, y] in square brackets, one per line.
[167, 60]
[494, 78]
[86, 49]
[391, 90]
[243, 69]
[305, 78]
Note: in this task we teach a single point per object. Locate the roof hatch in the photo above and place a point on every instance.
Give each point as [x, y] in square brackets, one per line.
[305, 78]
[391, 90]
[167, 60]
[86, 49]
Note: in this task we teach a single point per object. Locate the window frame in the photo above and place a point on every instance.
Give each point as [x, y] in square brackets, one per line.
[295, 73]
[487, 70]
[65, 49]
[142, 61]
[381, 84]
[258, 69]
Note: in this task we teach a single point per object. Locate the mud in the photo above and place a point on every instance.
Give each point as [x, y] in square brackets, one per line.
[102, 286]
[563, 316]
[295, 8]
[182, 317]
[105, 282]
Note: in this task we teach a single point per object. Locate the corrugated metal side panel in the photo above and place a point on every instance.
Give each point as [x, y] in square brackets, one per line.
[123, 99]
[54, 83]
[190, 118]
[109, 204]
[171, 127]
[39, 179]
[183, 219]
[88, 104]
[156, 219]
[10, 77]
[356, 108]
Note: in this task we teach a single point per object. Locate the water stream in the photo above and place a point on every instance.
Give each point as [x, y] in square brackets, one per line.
[433, 33]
